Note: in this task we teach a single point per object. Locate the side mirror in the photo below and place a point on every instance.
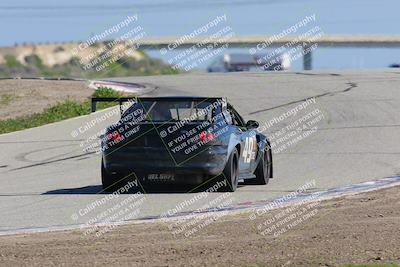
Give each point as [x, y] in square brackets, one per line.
[252, 124]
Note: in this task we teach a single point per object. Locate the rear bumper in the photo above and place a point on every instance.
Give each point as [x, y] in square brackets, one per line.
[210, 161]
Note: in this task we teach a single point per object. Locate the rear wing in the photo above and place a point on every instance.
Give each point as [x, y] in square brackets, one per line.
[119, 100]
[134, 99]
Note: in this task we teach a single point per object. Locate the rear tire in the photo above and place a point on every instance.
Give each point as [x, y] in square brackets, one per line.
[263, 171]
[109, 181]
[230, 175]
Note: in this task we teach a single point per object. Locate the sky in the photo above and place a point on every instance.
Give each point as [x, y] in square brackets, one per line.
[73, 20]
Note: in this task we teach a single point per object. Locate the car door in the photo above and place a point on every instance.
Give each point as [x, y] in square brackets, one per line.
[248, 142]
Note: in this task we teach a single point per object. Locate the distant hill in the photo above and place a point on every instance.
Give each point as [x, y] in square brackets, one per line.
[103, 59]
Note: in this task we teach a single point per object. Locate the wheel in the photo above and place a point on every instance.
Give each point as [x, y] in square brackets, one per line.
[109, 181]
[263, 171]
[230, 173]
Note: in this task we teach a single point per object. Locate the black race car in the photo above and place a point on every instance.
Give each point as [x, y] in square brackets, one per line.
[183, 140]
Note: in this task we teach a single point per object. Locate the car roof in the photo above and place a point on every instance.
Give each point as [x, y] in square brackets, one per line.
[239, 58]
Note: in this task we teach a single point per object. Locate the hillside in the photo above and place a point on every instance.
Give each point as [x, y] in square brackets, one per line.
[103, 59]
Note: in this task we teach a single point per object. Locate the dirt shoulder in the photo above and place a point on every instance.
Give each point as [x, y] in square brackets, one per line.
[356, 229]
[24, 97]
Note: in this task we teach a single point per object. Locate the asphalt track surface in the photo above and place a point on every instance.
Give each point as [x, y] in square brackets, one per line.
[46, 178]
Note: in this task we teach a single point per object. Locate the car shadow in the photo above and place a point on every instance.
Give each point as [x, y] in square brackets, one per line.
[154, 189]
[86, 190]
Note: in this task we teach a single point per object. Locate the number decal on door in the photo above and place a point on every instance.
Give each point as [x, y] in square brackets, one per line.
[249, 151]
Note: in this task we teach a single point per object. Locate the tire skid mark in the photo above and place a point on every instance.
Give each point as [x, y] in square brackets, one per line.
[52, 161]
[351, 86]
[23, 156]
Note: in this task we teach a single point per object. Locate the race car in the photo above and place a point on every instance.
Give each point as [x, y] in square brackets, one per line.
[183, 140]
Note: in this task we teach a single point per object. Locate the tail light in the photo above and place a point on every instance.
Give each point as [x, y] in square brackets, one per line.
[206, 136]
[115, 136]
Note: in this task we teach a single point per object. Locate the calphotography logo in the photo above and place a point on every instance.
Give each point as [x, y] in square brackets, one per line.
[201, 30]
[200, 133]
[99, 52]
[293, 126]
[201, 49]
[209, 211]
[289, 49]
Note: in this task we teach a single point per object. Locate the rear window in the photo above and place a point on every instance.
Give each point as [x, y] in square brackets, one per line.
[177, 110]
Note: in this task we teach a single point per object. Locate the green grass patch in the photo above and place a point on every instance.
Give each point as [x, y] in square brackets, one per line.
[61, 111]
[11, 61]
[105, 92]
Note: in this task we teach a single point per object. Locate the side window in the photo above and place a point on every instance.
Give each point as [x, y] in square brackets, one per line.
[231, 117]
[237, 120]
[234, 118]
[228, 116]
